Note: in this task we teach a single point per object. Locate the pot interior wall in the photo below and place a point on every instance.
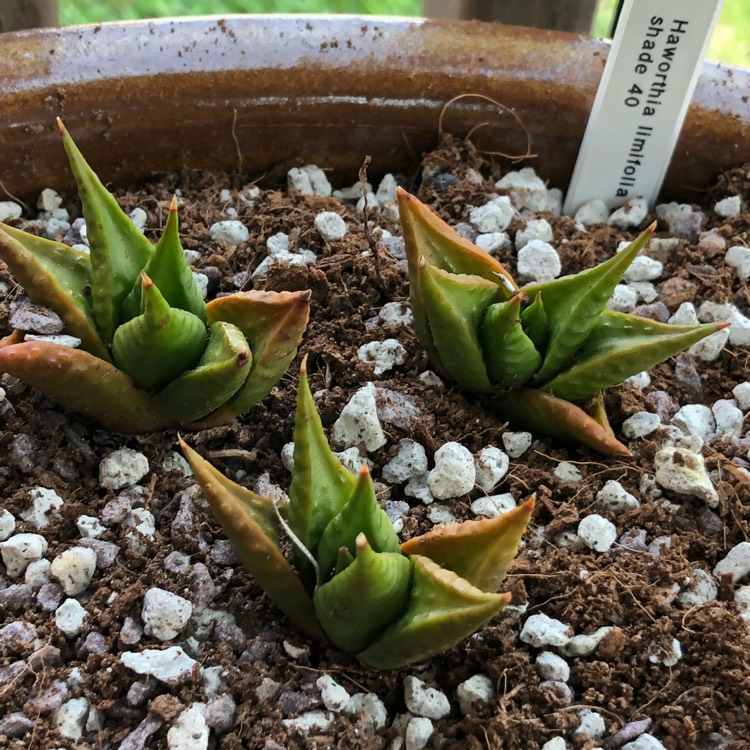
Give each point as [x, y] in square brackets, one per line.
[247, 94]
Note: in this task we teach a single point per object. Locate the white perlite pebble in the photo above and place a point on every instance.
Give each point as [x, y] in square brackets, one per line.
[44, 503]
[615, 498]
[730, 206]
[72, 342]
[309, 720]
[639, 380]
[516, 443]
[492, 465]
[70, 718]
[667, 654]
[492, 241]
[201, 282]
[642, 269]
[566, 471]
[493, 216]
[478, 687]
[684, 472]
[423, 700]
[385, 355]
[395, 314]
[410, 461]
[536, 229]
[623, 299]
[189, 731]
[586, 643]
[74, 568]
[631, 214]
[10, 211]
[374, 710]
[729, 418]
[640, 424]
[335, 697]
[493, 506]
[695, 419]
[48, 200]
[527, 186]
[386, 192]
[330, 225]
[454, 473]
[594, 211]
[69, 617]
[164, 614]
[739, 328]
[736, 563]
[741, 394]
[122, 468]
[418, 733]
[597, 532]
[739, 258]
[644, 742]
[439, 513]
[742, 603]
[417, 488]
[20, 550]
[710, 348]
[700, 588]
[538, 261]
[556, 743]
[7, 524]
[358, 423]
[591, 724]
[552, 667]
[540, 631]
[232, 232]
[139, 218]
[169, 665]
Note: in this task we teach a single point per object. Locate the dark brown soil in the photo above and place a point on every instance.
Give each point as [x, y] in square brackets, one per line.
[702, 702]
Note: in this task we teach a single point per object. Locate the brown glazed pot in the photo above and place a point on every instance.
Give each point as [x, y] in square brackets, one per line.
[251, 92]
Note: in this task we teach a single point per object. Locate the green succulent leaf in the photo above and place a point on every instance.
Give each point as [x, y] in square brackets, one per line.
[273, 324]
[321, 486]
[453, 306]
[169, 270]
[84, 383]
[56, 276]
[574, 303]
[443, 610]
[478, 551]
[361, 514]
[622, 345]
[359, 603]
[161, 343]
[219, 374]
[536, 324]
[118, 250]
[546, 414]
[510, 354]
[251, 523]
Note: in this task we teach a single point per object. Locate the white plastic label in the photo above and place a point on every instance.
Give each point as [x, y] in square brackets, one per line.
[649, 78]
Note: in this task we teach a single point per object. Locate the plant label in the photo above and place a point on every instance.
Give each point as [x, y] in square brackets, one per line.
[648, 81]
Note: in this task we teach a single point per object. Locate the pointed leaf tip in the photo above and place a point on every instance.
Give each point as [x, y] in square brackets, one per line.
[60, 126]
[173, 204]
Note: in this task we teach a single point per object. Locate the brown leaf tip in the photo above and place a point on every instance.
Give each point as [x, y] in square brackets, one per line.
[60, 126]
[173, 204]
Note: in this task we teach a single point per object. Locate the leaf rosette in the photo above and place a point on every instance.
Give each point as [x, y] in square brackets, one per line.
[351, 582]
[153, 354]
[533, 349]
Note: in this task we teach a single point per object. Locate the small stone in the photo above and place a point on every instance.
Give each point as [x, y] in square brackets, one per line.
[44, 503]
[8, 523]
[585, 644]
[26, 316]
[385, 355]
[478, 688]
[668, 654]
[37, 573]
[494, 216]
[594, 211]
[139, 218]
[386, 192]
[736, 563]
[681, 220]
[418, 733]
[538, 261]
[231, 231]
[90, 526]
[359, 423]
[493, 506]
[122, 468]
[728, 417]
[74, 568]
[631, 214]
[567, 472]
[640, 424]
[648, 293]
[15, 725]
[454, 473]
[561, 690]
[699, 589]
[739, 324]
[552, 667]
[46, 699]
[164, 614]
[644, 742]
[642, 269]
[591, 725]
[335, 697]
[684, 472]
[516, 443]
[623, 299]
[16, 636]
[189, 731]
[741, 393]
[310, 175]
[742, 603]
[535, 229]
[696, 419]
[306, 722]
[492, 465]
[48, 200]
[613, 497]
[540, 630]
[556, 743]
[423, 700]
[20, 550]
[492, 242]
[296, 652]
[417, 488]
[738, 257]
[395, 314]
[371, 707]
[410, 461]
[330, 226]
[9, 211]
[728, 207]
[106, 552]
[70, 718]
[171, 665]
[439, 513]
[219, 712]
[596, 532]
[69, 617]
[530, 189]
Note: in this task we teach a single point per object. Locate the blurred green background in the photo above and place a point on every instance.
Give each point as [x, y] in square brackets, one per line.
[730, 44]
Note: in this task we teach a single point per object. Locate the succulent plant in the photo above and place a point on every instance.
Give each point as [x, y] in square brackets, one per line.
[153, 354]
[351, 582]
[535, 349]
